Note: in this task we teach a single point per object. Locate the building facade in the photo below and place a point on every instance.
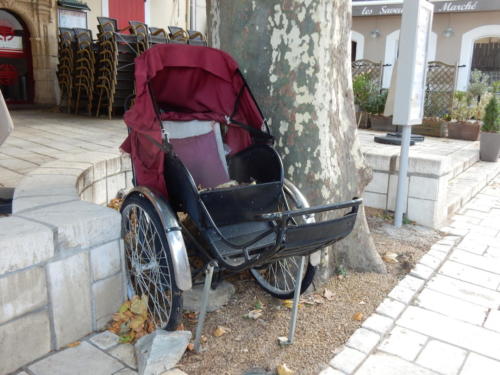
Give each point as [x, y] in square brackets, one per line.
[28, 36]
[465, 33]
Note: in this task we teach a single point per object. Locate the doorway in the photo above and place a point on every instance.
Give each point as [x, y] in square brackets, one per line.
[16, 64]
[486, 57]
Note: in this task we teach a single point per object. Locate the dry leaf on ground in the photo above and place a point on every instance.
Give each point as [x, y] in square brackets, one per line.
[254, 314]
[328, 294]
[220, 330]
[358, 316]
[73, 344]
[283, 370]
[390, 258]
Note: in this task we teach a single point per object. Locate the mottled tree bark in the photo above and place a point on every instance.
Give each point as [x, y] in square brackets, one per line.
[296, 57]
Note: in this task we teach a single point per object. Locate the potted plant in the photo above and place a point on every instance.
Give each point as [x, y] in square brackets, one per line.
[375, 107]
[362, 89]
[463, 124]
[468, 108]
[489, 146]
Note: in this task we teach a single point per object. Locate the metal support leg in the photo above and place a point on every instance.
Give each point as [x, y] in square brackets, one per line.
[296, 298]
[209, 273]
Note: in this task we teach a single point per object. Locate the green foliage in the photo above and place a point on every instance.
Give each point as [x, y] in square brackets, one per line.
[479, 84]
[462, 106]
[367, 94]
[491, 119]
[340, 270]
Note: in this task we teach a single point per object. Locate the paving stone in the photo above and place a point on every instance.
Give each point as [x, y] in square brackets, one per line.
[80, 224]
[83, 359]
[160, 351]
[478, 365]
[472, 246]
[40, 185]
[126, 354]
[493, 320]
[391, 308]
[330, 371]
[20, 205]
[476, 261]
[105, 260]
[430, 261]
[403, 343]
[378, 323]
[465, 291]
[422, 272]
[69, 290]
[216, 297]
[465, 335]
[105, 340]
[108, 297]
[363, 340]
[347, 360]
[24, 340]
[469, 274]
[443, 358]
[385, 364]
[402, 294]
[23, 243]
[411, 283]
[451, 306]
[22, 292]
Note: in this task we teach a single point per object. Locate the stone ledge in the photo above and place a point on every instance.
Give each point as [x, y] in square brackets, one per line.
[64, 253]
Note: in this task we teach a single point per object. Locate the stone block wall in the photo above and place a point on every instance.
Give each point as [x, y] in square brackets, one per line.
[61, 258]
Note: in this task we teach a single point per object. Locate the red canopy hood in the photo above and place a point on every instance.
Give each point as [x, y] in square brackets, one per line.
[185, 83]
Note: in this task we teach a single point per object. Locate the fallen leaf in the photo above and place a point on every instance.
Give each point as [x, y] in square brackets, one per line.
[73, 344]
[390, 258]
[124, 307]
[284, 370]
[362, 302]
[180, 327]
[288, 303]
[254, 314]
[340, 277]
[358, 316]
[259, 305]
[136, 323]
[328, 294]
[220, 330]
[203, 339]
[190, 347]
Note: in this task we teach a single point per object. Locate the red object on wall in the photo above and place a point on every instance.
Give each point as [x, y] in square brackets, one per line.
[126, 10]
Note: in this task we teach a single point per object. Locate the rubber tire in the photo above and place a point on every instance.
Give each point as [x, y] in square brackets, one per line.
[176, 310]
[306, 281]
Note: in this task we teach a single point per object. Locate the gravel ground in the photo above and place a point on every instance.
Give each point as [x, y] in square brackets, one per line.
[322, 327]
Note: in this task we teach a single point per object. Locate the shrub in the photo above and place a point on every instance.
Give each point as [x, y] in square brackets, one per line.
[491, 119]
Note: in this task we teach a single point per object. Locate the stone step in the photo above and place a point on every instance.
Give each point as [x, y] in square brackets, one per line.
[464, 186]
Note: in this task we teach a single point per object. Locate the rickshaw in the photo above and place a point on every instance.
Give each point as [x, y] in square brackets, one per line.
[210, 186]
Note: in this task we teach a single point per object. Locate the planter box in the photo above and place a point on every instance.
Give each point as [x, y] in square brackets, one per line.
[489, 148]
[432, 127]
[362, 120]
[382, 123]
[468, 131]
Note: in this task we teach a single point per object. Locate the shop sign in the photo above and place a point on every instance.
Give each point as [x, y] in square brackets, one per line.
[72, 18]
[10, 43]
[363, 8]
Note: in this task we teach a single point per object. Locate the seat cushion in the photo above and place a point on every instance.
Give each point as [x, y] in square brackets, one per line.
[201, 157]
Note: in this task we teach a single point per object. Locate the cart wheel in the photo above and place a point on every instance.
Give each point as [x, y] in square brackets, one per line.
[148, 262]
[278, 278]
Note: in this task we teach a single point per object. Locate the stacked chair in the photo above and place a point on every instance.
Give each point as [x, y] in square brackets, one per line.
[84, 70]
[115, 77]
[99, 75]
[66, 52]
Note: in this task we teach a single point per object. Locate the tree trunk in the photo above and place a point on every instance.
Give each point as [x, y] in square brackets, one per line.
[295, 55]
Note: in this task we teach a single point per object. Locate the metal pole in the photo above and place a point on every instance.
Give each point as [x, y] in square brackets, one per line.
[296, 298]
[403, 173]
[204, 302]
